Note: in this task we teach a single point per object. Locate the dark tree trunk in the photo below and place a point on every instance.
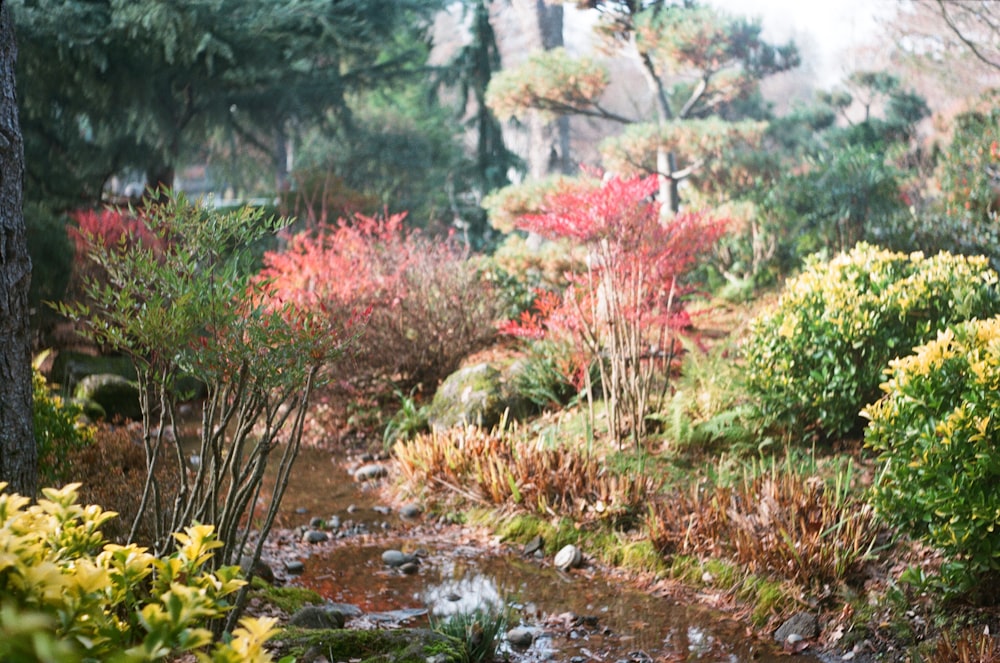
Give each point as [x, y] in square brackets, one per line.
[18, 453]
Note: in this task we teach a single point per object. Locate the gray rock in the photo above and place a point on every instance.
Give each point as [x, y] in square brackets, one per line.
[470, 396]
[520, 636]
[410, 511]
[317, 616]
[333, 523]
[260, 568]
[396, 558]
[315, 536]
[409, 568]
[294, 567]
[800, 626]
[316, 523]
[117, 396]
[370, 472]
[348, 610]
[569, 557]
[533, 546]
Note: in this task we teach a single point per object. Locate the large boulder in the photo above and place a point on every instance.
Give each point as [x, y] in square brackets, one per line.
[68, 368]
[477, 395]
[117, 396]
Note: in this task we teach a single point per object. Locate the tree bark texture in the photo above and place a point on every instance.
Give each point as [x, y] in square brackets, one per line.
[18, 452]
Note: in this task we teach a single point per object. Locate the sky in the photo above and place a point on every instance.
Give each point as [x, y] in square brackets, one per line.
[832, 25]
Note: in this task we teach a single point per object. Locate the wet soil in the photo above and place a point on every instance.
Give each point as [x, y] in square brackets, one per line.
[585, 614]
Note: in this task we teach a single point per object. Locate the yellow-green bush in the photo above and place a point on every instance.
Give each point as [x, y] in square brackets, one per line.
[817, 359]
[66, 595]
[937, 435]
[58, 431]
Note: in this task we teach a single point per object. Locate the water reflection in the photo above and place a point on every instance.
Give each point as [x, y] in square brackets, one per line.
[581, 615]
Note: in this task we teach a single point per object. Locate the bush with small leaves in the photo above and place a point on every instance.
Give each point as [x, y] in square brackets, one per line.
[817, 358]
[58, 432]
[936, 433]
[67, 595]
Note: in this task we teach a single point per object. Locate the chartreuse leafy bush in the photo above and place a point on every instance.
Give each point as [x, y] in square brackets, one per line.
[817, 358]
[67, 595]
[936, 432]
[58, 431]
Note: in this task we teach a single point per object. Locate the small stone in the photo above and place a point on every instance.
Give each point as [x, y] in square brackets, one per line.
[568, 558]
[260, 568]
[533, 546]
[801, 625]
[315, 536]
[295, 567]
[317, 617]
[409, 568]
[520, 636]
[316, 523]
[410, 511]
[396, 558]
[383, 510]
[301, 510]
[370, 472]
[333, 523]
[352, 508]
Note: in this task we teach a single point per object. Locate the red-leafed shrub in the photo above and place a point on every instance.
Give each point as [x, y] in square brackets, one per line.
[429, 304]
[625, 311]
[107, 228]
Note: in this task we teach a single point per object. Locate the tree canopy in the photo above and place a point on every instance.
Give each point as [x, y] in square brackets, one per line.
[699, 64]
[112, 85]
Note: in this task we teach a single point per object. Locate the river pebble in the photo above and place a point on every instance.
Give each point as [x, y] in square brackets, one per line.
[568, 558]
[410, 511]
[370, 472]
[314, 536]
[396, 558]
[520, 636]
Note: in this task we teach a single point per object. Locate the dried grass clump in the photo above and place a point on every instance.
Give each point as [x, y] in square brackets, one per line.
[113, 473]
[969, 646]
[489, 468]
[783, 522]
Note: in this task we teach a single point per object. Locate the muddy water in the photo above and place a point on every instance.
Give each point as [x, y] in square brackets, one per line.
[577, 616]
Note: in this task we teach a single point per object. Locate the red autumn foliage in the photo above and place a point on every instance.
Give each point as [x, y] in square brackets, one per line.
[428, 306]
[630, 304]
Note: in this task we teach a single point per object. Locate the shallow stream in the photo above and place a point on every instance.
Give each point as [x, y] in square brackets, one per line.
[579, 615]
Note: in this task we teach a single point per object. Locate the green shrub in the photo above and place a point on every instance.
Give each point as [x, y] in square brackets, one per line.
[818, 357]
[936, 433]
[58, 431]
[68, 596]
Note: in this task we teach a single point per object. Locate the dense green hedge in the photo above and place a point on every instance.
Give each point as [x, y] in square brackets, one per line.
[817, 358]
[936, 431]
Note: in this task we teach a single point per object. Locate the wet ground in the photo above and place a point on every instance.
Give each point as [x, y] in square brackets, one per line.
[579, 615]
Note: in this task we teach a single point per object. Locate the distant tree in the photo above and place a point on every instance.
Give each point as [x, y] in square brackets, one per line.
[108, 86]
[701, 66]
[18, 452]
[969, 25]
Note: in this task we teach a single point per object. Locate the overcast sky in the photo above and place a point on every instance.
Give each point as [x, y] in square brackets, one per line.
[833, 25]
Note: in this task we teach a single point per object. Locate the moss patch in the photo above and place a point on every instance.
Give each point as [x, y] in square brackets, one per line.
[396, 646]
[287, 599]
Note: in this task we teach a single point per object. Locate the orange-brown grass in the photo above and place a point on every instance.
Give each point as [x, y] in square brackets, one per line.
[781, 523]
[113, 472]
[492, 469]
[969, 646]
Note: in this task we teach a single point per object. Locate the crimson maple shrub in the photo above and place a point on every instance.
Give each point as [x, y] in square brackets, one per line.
[429, 304]
[623, 314]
